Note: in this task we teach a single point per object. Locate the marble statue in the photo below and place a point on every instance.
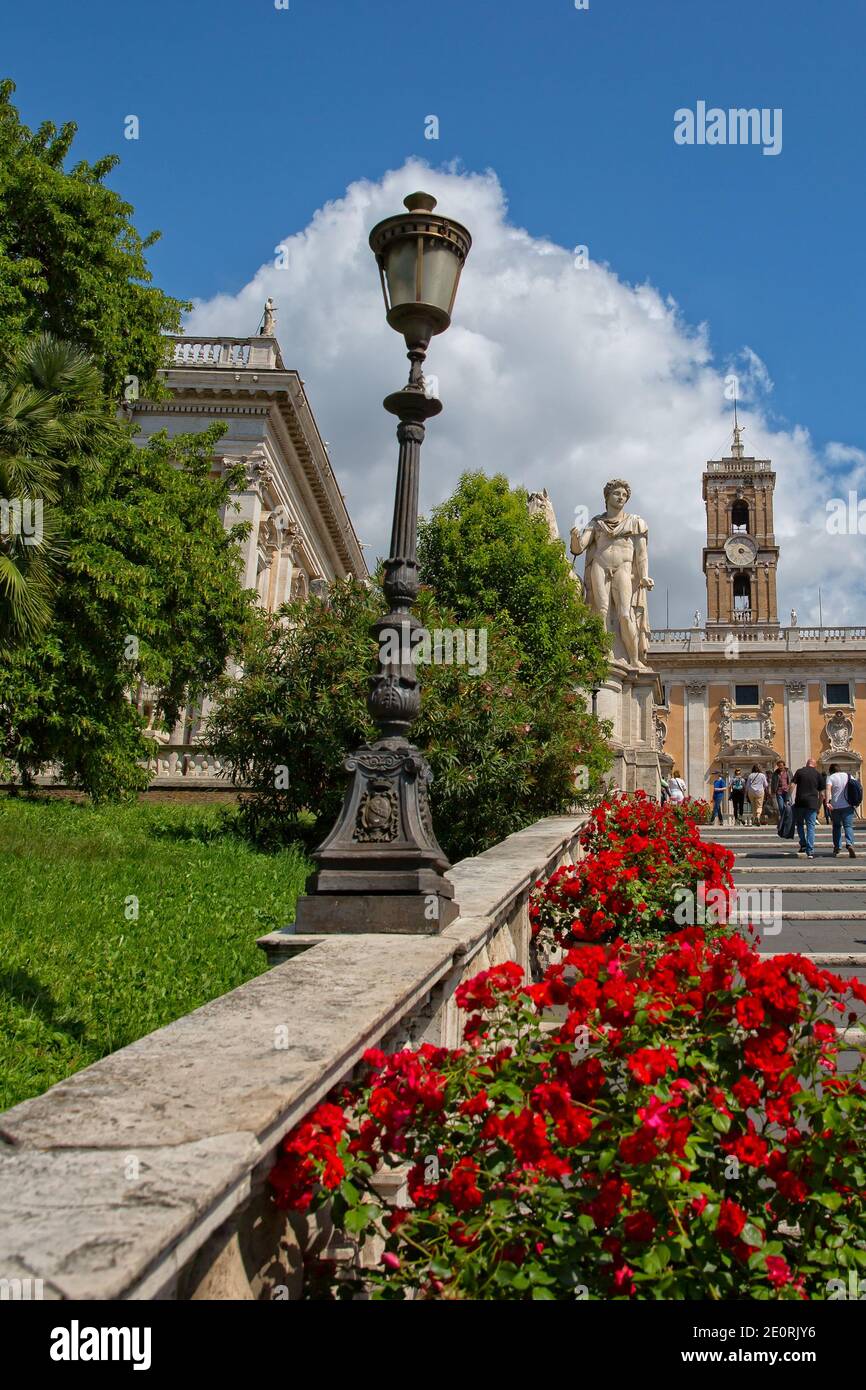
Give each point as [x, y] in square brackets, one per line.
[793, 617]
[269, 326]
[696, 621]
[539, 504]
[615, 573]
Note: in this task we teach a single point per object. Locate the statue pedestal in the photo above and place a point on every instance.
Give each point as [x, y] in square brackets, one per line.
[627, 699]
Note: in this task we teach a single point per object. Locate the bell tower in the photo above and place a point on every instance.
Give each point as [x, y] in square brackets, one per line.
[741, 555]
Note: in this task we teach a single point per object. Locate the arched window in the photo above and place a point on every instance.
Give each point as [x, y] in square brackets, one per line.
[742, 593]
[740, 516]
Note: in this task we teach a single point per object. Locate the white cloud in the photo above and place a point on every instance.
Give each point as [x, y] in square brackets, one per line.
[556, 376]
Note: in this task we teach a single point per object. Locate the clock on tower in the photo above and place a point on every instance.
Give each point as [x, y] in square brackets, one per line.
[741, 555]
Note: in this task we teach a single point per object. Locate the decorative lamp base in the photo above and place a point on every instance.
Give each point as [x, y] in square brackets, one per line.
[381, 868]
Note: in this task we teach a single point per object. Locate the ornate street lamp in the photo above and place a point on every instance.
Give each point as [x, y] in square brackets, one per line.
[381, 868]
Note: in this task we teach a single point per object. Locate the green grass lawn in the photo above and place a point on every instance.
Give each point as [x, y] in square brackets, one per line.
[80, 976]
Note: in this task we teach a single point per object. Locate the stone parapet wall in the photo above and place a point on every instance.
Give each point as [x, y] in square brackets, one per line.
[144, 1175]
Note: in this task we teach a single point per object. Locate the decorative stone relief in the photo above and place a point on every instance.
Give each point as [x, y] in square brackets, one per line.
[768, 725]
[660, 732]
[726, 727]
[695, 688]
[796, 689]
[840, 732]
[377, 813]
[259, 472]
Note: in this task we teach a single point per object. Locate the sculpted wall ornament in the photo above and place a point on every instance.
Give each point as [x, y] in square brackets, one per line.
[726, 727]
[259, 473]
[695, 688]
[840, 732]
[615, 575]
[768, 726]
[796, 689]
[661, 732]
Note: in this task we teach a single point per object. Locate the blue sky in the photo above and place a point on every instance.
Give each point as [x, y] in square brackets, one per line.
[250, 114]
[253, 118]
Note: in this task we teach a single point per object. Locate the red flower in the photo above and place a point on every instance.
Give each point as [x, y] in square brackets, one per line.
[649, 1064]
[778, 1272]
[462, 1186]
[750, 1012]
[639, 1225]
[750, 1148]
[731, 1220]
[746, 1092]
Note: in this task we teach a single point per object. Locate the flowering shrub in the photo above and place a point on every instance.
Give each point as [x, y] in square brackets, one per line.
[693, 809]
[682, 1134]
[637, 854]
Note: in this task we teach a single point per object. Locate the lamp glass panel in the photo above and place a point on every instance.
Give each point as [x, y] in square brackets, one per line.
[441, 268]
[400, 259]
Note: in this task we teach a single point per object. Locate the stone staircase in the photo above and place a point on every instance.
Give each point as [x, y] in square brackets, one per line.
[813, 906]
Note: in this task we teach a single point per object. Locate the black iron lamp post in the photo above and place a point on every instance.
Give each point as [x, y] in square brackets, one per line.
[381, 868]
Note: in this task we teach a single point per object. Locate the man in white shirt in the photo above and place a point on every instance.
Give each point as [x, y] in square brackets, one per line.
[841, 813]
[756, 790]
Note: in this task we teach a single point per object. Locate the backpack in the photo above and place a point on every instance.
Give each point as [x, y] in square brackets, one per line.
[853, 791]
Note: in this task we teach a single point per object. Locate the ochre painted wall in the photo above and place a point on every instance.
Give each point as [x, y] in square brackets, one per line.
[675, 743]
[860, 717]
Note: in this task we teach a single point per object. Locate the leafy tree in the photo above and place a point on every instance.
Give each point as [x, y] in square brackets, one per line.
[148, 586]
[71, 261]
[482, 553]
[151, 593]
[51, 413]
[502, 753]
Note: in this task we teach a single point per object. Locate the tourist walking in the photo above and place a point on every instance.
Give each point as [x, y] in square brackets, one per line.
[780, 786]
[738, 795]
[719, 788]
[808, 794]
[676, 787]
[841, 810]
[757, 787]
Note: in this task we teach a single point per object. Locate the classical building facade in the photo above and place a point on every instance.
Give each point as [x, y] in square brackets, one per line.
[301, 535]
[742, 689]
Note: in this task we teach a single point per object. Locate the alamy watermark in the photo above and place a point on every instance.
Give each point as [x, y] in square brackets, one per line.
[757, 907]
[736, 126]
[444, 646]
[21, 516]
[846, 518]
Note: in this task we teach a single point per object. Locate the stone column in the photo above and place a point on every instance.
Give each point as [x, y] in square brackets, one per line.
[797, 722]
[696, 738]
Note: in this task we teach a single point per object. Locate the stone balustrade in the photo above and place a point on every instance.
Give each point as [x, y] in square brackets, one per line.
[236, 353]
[144, 1175]
[183, 763]
[793, 638]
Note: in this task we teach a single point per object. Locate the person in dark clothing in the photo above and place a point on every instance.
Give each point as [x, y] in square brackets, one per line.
[738, 795]
[809, 786]
[780, 785]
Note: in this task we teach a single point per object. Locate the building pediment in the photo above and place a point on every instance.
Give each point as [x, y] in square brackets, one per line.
[742, 749]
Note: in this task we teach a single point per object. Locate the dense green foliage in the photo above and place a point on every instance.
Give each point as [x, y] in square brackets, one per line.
[482, 553]
[71, 261]
[78, 977]
[503, 752]
[150, 592]
[137, 580]
[52, 421]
